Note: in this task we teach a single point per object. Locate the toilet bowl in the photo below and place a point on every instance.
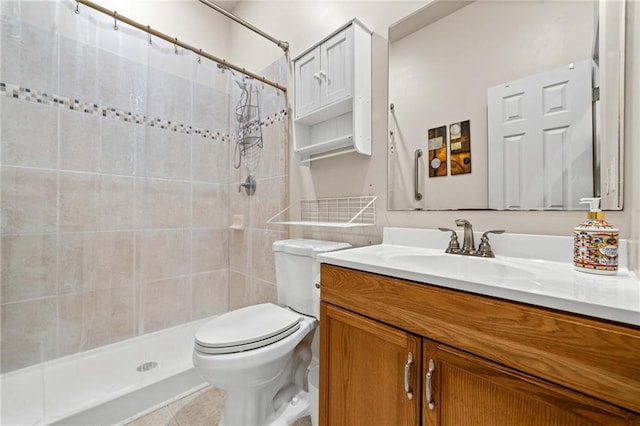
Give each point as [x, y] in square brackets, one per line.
[261, 381]
[259, 355]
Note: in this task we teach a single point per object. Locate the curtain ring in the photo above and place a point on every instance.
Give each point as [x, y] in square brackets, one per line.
[175, 46]
[149, 33]
[115, 20]
[77, 7]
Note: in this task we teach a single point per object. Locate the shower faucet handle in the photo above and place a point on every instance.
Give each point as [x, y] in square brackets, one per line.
[249, 185]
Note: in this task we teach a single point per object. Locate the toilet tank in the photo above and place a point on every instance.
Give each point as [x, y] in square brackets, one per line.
[297, 271]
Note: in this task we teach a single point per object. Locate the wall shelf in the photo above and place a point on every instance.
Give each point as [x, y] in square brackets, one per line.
[345, 212]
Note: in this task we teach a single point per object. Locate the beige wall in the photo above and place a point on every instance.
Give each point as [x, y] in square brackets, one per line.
[357, 175]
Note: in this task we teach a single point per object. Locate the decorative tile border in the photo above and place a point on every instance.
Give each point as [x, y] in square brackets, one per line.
[30, 95]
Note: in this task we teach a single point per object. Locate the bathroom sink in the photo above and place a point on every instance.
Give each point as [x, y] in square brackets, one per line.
[443, 264]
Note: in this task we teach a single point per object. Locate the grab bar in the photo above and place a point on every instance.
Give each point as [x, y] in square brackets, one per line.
[416, 191]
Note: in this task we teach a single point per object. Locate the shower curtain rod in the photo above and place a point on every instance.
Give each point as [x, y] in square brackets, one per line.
[282, 44]
[117, 17]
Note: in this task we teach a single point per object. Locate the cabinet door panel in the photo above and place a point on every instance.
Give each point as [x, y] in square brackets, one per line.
[307, 83]
[362, 372]
[472, 391]
[337, 65]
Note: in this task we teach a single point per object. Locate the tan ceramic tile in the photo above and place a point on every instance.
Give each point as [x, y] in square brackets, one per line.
[238, 290]
[91, 202]
[261, 292]
[263, 260]
[29, 267]
[95, 261]
[201, 408]
[165, 303]
[160, 417]
[80, 141]
[117, 147]
[304, 421]
[269, 199]
[29, 200]
[240, 250]
[28, 333]
[238, 203]
[210, 294]
[273, 161]
[17, 126]
[163, 254]
[96, 318]
[115, 203]
[163, 154]
[210, 205]
[210, 250]
[79, 202]
[210, 160]
[162, 204]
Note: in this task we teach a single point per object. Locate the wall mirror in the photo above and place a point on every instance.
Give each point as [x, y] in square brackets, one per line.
[506, 105]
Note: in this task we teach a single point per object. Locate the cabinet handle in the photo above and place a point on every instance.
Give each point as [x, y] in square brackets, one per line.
[407, 378]
[317, 76]
[429, 392]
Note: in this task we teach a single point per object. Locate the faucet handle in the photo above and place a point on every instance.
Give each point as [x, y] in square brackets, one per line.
[484, 249]
[454, 245]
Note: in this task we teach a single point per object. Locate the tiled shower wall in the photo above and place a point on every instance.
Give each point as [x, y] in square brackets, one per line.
[116, 187]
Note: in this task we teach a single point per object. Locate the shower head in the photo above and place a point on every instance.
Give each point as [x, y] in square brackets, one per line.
[240, 81]
[224, 68]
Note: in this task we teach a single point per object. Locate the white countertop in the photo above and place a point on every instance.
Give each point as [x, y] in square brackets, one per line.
[547, 277]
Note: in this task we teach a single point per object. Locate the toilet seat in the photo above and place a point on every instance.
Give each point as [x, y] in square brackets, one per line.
[247, 328]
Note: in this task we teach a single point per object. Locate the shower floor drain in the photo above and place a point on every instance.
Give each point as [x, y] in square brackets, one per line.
[147, 366]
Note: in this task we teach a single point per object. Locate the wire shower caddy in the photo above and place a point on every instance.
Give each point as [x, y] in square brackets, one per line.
[248, 125]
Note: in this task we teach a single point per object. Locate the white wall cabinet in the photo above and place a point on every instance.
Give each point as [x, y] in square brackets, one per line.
[332, 95]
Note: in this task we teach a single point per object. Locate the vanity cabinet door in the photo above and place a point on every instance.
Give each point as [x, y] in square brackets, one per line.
[468, 390]
[364, 369]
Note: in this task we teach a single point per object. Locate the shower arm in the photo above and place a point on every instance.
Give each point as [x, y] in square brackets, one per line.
[147, 29]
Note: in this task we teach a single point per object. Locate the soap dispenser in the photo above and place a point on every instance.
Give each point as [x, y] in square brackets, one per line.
[595, 247]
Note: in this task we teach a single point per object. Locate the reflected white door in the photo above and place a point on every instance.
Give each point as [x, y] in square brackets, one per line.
[539, 140]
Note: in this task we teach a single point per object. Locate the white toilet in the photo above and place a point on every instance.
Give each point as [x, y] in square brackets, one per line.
[260, 354]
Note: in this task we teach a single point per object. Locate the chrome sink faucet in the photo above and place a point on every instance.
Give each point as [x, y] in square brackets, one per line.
[468, 244]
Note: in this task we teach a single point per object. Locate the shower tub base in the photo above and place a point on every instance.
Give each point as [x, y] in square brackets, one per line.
[112, 384]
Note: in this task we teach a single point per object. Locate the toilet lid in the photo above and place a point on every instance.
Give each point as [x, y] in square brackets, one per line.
[247, 328]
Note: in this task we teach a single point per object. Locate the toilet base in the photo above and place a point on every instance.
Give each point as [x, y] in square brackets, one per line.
[298, 407]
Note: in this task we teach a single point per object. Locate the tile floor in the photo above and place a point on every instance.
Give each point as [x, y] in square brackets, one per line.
[201, 408]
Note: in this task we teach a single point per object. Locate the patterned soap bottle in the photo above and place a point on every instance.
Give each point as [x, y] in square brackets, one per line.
[595, 248]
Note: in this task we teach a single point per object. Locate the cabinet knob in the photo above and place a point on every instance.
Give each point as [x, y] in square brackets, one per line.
[317, 76]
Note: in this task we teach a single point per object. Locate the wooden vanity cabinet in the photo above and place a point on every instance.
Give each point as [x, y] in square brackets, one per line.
[367, 358]
[480, 360]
